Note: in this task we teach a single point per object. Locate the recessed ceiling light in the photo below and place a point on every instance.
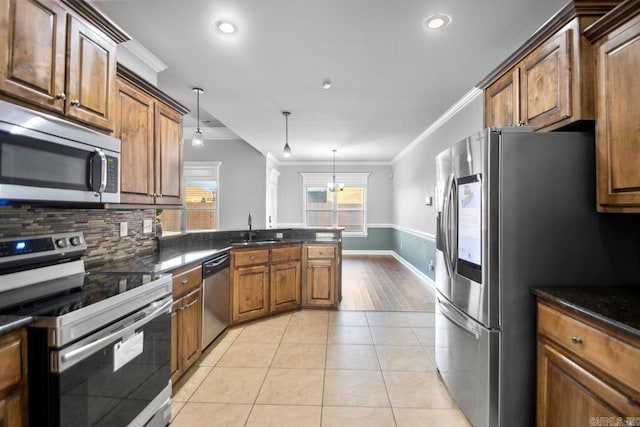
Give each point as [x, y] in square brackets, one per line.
[226, 27]
[326, 84]
[436, 22]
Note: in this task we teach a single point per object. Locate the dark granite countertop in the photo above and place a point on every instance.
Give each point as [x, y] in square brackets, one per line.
[177, 256]
[11, 323]
[616, 307]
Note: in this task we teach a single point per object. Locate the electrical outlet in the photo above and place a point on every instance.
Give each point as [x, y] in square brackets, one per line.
[123, 229]
[147, 226]
[279, 235]
[400, 246]
[431, 266]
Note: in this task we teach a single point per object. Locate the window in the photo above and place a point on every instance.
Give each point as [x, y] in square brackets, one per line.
[345, 208]
[200, 194]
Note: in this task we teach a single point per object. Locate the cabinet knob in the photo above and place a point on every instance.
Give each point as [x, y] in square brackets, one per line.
[252, 258]
[185, 281]
[159, 195]
[61, 96]
[75, 103]
[576, 340]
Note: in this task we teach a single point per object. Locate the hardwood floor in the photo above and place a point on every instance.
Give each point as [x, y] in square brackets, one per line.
[380, 282]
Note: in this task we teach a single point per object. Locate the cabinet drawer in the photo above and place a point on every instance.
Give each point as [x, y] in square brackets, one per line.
[251, 257]
[321, 252]
[286, 253]
[11, 347]
[186, 280]
[605, 351]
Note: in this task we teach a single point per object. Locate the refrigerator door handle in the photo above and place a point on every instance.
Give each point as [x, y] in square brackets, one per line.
[446, 223]
[456, 318]
[453, 244]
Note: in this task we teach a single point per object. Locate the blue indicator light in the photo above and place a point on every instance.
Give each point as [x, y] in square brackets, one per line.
[20, 246]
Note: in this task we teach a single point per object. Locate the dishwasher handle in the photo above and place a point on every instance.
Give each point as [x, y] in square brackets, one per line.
[214, 265]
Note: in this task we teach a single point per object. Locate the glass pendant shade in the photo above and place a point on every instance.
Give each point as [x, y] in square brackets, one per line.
[198, 138]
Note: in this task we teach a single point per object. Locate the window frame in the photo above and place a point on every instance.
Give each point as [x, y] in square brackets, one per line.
[349, 179]
[200, 171]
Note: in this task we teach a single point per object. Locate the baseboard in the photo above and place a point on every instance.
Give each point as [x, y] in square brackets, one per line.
[366, 252]
[426, 280]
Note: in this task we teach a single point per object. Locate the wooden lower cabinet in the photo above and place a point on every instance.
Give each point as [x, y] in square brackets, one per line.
[250, 292]
[321, 276]
[14, 409]
[285, 285]
[186, 320]
[186, 331]
[588, 373]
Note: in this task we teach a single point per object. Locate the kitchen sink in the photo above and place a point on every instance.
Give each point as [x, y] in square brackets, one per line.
[255, 242]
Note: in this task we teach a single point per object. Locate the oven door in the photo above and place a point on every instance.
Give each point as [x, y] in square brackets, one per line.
[467, 357]
[118, 376]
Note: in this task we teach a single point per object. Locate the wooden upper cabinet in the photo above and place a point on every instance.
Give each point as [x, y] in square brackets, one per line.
[134, 127]
[91, 75]
[546, 81]
[32, 51]
[502, 103]
[55, 60]
[618, 111]
[168, 135]
[149, 125]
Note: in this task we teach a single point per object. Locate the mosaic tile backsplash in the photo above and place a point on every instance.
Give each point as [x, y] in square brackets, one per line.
[101, 228]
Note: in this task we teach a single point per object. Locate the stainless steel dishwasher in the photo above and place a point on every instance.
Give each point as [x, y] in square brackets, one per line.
[215, 297]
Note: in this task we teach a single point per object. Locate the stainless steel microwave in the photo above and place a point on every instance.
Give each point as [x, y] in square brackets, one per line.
[43, 158]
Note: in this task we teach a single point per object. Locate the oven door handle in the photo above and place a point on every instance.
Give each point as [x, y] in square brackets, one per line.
[154, 310]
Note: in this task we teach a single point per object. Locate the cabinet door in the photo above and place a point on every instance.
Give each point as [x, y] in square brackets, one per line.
[570, 395]
[320, 282]
[285, 285]
[32, 51]
[176, 363]
[502, 101]
[91, 75]
[618, 115]
[168, 135]
[250, 292]
[191, 327]
[545, 82]
[13, 379]
[134, 127]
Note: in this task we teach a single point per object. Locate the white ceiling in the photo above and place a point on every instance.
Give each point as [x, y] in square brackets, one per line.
[391, 79]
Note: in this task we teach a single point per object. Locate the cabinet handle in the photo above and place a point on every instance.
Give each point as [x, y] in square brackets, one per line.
[185, 281]
[190, 304]
[61, 96]
[576, 340]
[159, 195]
[75, 103]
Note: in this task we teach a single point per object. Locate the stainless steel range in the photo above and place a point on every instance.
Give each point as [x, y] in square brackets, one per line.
[100, 344]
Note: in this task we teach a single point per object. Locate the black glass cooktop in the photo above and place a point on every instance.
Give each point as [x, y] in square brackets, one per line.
[62, 296]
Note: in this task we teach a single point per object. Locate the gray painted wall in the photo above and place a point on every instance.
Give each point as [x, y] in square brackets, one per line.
[414, 173]
[379, 192]
[242, 185]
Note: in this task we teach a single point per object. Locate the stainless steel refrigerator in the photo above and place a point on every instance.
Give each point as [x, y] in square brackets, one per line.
[515, 210]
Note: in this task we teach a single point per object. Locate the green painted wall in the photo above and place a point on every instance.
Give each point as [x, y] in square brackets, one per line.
[378, 239]
[417, 250]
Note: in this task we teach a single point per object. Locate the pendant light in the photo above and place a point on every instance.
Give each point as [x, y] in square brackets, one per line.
[332, 186]
[198, 138]
[286, 151]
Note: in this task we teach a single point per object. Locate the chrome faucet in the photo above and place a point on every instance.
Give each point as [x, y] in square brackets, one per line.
[250, 220]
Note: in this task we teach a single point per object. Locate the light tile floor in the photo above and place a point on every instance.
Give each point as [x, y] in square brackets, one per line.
[319, 368]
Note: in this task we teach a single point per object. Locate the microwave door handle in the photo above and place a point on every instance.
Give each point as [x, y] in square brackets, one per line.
[103, 170]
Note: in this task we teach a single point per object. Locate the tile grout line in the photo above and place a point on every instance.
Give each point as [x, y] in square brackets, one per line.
[253, 405]
[384, 381]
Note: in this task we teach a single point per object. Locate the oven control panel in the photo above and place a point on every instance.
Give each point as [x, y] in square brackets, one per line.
[36, 247]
